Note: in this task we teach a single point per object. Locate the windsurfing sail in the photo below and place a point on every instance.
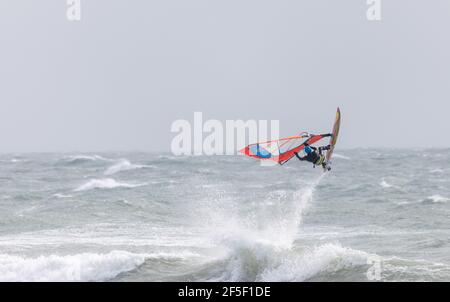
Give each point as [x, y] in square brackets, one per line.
[281, 150]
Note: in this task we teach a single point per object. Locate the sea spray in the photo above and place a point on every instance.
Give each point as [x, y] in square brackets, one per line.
[274, 220]
[254, 249]
[302, 200]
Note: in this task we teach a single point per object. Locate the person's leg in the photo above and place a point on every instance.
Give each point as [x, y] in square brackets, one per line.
[323, 148]
[326, 166]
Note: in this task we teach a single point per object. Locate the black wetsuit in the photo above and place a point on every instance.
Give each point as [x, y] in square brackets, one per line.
[313, 157]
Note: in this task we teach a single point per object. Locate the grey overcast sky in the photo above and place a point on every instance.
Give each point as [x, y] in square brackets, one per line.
[117, 79]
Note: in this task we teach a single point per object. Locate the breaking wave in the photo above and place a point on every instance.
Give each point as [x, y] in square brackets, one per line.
[387, 185]
[437, 199]
[269, 252]
[274, 252]
[78, 267]
[124, 165]
[106, 183]
[265, 263]
[79, 159]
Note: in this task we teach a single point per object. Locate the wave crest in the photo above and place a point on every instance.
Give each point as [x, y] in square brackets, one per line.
[437, 199]
[78, 267]
[264, 263]
[387, 185]
[106, 183]
[124, 165]
[79, 159]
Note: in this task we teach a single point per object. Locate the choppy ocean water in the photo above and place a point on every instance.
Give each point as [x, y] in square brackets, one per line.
[380, 215]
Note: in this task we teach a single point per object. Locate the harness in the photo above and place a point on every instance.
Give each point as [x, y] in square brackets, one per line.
[320, 160]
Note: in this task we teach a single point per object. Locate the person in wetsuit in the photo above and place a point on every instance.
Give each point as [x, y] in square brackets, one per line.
[314, 155]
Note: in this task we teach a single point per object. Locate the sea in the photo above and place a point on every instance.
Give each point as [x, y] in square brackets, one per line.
[379, 215]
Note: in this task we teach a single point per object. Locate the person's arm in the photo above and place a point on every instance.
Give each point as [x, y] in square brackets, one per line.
[298, 156]
[312, 147]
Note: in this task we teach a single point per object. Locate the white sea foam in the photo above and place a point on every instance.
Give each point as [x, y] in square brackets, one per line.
[17, 160]
[84, 158]
[124, 201]
[105, 234]
[327, 258]
[262, 263]
[387, 185]
[78, 267]
[282, 216]
[437, 198]
[105, 183]
[256, 252]
[124, 165]
[267, 263]
[170, 157]
[59, 195]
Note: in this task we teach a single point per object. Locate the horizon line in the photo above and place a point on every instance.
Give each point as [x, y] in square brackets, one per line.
[237, 153]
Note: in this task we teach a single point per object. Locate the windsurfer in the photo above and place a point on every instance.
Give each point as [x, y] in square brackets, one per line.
[314, 155]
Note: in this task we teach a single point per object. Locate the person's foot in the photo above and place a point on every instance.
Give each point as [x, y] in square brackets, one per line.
[326, 166]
